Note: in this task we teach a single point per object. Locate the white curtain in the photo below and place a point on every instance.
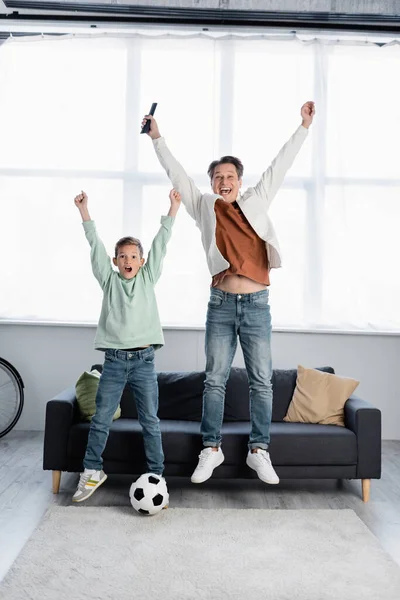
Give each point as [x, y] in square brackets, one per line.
[71, 111]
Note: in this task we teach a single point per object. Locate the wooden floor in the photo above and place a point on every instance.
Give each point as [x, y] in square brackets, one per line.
[25, 494]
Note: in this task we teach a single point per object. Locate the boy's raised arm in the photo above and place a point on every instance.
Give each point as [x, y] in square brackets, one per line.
[81, 201]
[158, 248]
[101, 265]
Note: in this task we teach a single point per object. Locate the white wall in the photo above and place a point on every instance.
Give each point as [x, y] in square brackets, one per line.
[51, 358]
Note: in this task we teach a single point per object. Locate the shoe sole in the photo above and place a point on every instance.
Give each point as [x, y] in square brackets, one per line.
[91, 492]
[206, 478]
[260, 478]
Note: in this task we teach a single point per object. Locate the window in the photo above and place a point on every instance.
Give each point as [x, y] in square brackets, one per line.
[71, 118]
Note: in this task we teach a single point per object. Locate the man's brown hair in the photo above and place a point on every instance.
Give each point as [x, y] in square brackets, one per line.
[236, 162]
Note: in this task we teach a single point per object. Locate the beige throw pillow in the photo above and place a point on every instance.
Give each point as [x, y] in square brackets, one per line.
[319, 397]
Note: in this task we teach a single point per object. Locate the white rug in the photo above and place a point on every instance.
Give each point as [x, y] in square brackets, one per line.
[108, 553]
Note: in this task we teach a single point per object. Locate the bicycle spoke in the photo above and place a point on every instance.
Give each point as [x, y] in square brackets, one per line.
[11, 396]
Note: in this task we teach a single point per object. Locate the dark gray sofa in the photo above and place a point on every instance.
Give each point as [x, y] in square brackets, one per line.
[298, 450]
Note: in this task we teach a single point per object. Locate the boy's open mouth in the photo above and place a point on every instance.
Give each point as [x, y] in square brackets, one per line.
[128, 269]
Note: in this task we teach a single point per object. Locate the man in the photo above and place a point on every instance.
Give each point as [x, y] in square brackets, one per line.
[241, 247]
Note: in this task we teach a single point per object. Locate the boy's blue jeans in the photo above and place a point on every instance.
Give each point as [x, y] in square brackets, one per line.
[229, 316]
[137, 369]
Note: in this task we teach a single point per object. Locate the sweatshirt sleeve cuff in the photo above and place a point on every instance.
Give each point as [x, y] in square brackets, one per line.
[167, 221]
[88, 225]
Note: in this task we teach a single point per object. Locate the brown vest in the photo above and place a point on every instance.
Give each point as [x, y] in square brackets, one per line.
[239, 245]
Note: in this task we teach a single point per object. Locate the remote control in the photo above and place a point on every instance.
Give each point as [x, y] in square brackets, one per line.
[146, 126]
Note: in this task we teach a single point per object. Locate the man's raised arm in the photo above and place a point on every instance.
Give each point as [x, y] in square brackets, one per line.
[191, 195]
[273, 177]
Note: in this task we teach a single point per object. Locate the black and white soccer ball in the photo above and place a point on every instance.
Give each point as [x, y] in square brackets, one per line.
[149, 494]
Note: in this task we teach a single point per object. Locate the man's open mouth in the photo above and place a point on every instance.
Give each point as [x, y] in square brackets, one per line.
[225, 191]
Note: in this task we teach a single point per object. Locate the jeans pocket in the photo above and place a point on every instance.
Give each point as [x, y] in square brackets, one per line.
[214, 301]
[261, 301]
[109, 356]
[149, 358]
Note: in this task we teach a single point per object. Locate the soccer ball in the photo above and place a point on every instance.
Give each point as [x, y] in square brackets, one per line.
[149, 494]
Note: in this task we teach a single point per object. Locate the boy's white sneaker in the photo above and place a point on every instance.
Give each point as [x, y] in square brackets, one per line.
[209, 459]
[260, 462]
[89, 481]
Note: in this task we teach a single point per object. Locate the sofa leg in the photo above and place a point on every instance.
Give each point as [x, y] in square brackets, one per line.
[56, 481]
[366, 486]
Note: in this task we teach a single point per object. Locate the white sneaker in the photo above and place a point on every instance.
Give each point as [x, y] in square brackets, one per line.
[89, 481]
[209, 459]
[260, 462]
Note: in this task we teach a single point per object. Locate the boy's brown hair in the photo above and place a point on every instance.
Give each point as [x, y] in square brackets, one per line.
[129, 241]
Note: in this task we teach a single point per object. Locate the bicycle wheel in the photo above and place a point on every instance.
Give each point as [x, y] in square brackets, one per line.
[11, 396]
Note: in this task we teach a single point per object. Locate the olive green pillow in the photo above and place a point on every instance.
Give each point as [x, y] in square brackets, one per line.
[86, 390]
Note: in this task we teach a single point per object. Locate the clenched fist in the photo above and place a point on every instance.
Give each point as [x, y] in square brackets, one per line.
[153, 132]
[307, 113]
[81, 200]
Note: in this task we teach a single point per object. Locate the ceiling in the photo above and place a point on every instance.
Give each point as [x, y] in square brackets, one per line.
[322, 14]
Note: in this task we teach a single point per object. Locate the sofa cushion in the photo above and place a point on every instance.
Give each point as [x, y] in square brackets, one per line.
[319, 397]
[181, 394]
[294, 444]
[125, 441]
[291, 443]
[180, 397]
[312, 444]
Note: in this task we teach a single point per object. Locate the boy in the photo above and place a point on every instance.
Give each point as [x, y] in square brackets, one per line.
[129, 331]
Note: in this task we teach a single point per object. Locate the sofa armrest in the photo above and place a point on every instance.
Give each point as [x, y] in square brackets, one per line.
[365, 420]
[60, 414]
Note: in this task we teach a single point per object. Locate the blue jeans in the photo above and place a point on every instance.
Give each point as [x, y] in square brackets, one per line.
[229, 316]
[138, 370]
